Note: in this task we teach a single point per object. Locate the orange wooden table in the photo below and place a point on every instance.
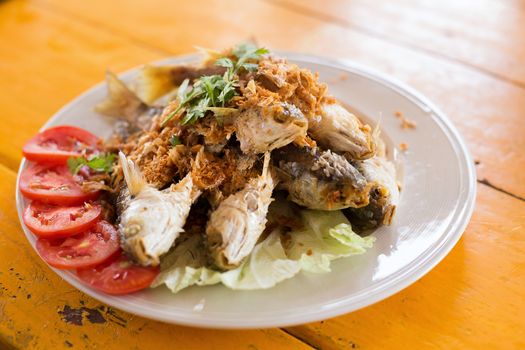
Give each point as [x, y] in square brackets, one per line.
[467, 56]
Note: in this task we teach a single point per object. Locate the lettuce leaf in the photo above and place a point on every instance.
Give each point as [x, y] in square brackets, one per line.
[327, 235]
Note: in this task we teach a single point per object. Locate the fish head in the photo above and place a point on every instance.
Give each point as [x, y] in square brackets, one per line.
[227, 235]
[287, 114]
[341, 131]
[264, 128]
[146, 216]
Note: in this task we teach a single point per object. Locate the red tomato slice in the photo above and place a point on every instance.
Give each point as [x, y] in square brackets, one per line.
[53, 184]
[87, 249]
[118, 276]
[50, 221]
[55, 145]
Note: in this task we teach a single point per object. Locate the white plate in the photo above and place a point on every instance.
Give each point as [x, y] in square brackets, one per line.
[436, 204]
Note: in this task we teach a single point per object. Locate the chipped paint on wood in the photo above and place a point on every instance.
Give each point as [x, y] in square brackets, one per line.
[77, 316]
[98, 315]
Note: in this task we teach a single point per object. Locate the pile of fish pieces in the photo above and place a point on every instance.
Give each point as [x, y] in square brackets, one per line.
[345, 169]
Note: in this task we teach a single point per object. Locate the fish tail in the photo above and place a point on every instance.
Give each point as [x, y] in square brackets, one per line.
[121, 101]
[267, 174]
[154, 82]
[132, 175]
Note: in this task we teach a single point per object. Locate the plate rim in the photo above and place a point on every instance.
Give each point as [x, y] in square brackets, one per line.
[390, 286]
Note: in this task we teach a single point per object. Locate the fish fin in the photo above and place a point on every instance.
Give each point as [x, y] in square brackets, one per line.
[377, 131]
[186, 184]
[266, 164]
[154, 82]
[132, 175]
[120, 101]
[268, 175]
[375, 141]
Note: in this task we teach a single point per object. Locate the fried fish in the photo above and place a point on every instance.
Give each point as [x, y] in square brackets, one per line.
[235, 226]
[320, 179]
[151, 220]
[340, 131]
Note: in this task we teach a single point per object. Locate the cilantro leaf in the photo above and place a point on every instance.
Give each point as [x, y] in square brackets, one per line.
[249, 50]
[262, 51]
[251, 67]
[101, 162]
[74, 164]
[214, 91]
[224, 62]
[174, 140]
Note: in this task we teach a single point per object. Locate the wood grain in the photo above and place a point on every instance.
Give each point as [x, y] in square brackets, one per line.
[38, 310]
[53, 50]
[487, 35]
[47, 61]
[474, 299]
[487, 111]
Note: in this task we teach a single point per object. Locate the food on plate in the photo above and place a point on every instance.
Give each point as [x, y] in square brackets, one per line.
[89, 248]
[51, 221]
[57, 144]
[54, 184]
[236, 225]
[339, 130]
[118, 275]
[262, 129]
[134, 115]
[240, 170]
[157, 81]
[320, 179]
[321, 237]
[384, 194]
[151, 220]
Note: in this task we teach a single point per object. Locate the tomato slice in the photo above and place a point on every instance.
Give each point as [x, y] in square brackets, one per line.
[55, 145]
[53, 184]
[118, 276]
[50, 221]
[87, 249]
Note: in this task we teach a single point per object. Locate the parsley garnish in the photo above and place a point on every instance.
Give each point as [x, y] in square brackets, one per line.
[212, 92]
[101, 162]
[174, 140]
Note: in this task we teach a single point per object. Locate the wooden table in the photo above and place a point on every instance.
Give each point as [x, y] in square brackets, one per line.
[467, 56]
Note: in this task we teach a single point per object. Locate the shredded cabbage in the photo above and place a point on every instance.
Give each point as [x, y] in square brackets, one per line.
[327, 235]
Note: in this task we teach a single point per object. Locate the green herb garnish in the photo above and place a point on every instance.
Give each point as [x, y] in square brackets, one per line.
[174, 140]
[212, 92]
[101, 162]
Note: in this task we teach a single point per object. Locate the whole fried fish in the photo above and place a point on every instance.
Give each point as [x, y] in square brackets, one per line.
[319, 179]
[122, 103]
[261, 129]
[384, 195]
[151, 220]
[235, 226]
[340, 131]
